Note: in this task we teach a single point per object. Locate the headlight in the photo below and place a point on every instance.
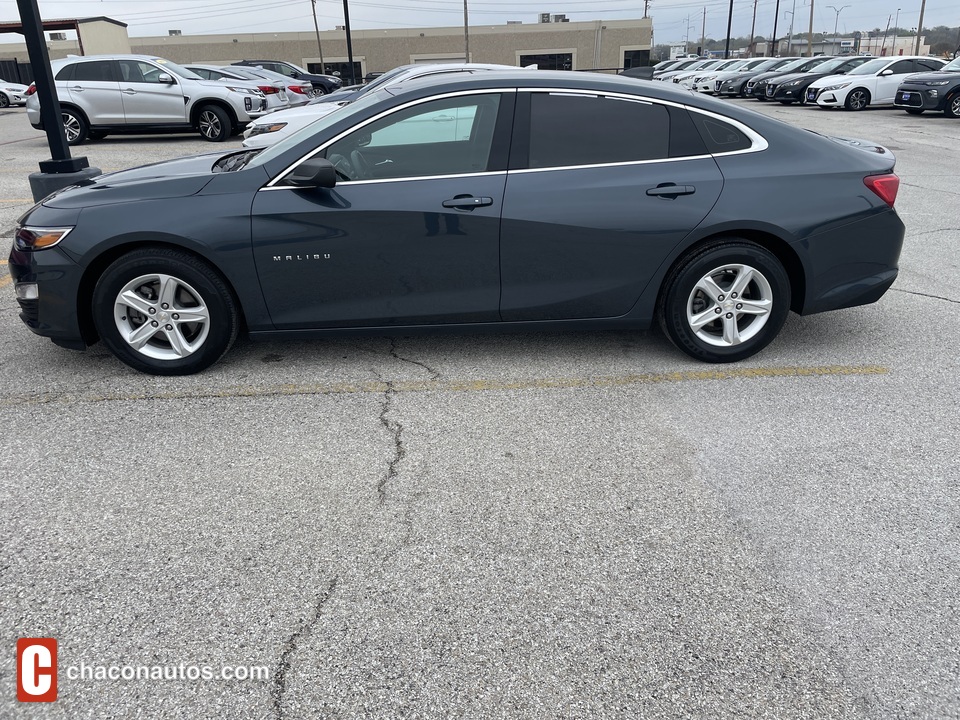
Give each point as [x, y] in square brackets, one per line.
[841, 86]
[244, 91]
[792, 83]
[29, 238]
[261, 129]
[937, 82]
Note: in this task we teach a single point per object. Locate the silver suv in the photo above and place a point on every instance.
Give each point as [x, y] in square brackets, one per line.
[105, 94]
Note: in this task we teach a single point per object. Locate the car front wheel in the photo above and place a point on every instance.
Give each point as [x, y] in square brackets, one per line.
[952, 108]
[858, 99]
[164, 312]
[4, 100]
[725, 302]
[214, 123]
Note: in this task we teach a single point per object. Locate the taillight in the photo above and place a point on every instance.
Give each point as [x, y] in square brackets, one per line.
[31, 90]
[885, 186]
[268, 89]
[299, 90]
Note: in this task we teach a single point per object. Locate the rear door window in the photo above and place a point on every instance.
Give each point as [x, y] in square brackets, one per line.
[96, 71]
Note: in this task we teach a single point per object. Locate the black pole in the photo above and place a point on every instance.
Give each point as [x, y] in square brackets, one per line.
[773, 43]
[60, 160]
[346, 26]
[726, 53]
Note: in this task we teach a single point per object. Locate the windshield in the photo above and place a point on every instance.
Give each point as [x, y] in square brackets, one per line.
[317, 126]
[953, 66]
[869, 68]
[829, 67]
[177, 70]
[790, 66]
[736, 65]
[768, 65]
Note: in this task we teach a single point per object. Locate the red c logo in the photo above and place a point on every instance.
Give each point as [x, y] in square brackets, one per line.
[36, 669]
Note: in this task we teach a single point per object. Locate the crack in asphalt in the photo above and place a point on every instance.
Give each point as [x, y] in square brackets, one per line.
[926, 295]
[938, 230]
[435, 375]
[395, 429]
[283, 666]
[932, 189]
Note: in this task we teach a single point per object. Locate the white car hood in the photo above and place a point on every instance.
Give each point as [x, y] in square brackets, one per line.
[834, 80]
[300, 115]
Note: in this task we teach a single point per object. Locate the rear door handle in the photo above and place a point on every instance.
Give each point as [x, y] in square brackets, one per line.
[671, 190]
[467, 202]
[76, 88]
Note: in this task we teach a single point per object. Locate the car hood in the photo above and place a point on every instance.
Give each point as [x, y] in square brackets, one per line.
[168, 179]
[789, 77]
[932, 77]
[833, 79]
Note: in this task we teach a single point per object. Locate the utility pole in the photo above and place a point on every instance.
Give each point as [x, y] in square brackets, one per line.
[773, 41]
[895, 28]
[810, 36]
[753, 27]
[466, 32]
[646, 8]
[726, 52]
[346, 27]
[923, 6]
[316, 26]
[703, 33]
[883, 43]
[793, 16]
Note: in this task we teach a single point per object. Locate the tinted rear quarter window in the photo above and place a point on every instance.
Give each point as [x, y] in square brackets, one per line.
[573, 129]
[719, 136]
[96, 71]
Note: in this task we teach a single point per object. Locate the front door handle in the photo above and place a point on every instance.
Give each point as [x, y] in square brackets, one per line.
[129, 91]
[467, 202]
[671, 190]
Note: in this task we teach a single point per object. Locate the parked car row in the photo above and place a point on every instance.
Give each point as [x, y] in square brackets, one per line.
[12, 94]
[913, 82]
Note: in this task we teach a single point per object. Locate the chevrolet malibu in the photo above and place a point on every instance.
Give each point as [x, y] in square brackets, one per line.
[463, 203]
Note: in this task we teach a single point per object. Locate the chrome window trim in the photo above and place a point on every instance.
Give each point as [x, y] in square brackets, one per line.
[376, 181]
[758, 142]
[461, 93]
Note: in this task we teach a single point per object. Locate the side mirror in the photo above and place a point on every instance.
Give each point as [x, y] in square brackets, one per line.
[316, 172]
[886, 72]
[165, 78]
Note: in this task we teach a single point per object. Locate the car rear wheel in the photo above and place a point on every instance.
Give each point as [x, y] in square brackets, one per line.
[214, 123]
[164, 312]
[952, 108]
[857, 99]
[74, 126]
[725, 302]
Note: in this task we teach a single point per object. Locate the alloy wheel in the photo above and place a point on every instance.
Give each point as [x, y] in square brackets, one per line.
[955, 107]
[209, 124]
[71, 127]
[4, 101]
[729, 305]
[161, 317]
[858, 100]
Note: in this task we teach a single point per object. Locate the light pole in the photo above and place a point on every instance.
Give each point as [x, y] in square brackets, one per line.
[810, 33]
[836, 21]
[466, 33]
[895, 24]
[790, 36]
[316, 26]
[923, 6]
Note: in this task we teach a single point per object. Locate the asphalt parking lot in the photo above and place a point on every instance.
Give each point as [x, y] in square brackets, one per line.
[578, 525]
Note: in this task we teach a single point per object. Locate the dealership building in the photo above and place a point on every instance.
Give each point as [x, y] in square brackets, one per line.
[551, 43]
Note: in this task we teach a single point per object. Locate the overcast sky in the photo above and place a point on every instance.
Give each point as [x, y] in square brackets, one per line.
[672, 19]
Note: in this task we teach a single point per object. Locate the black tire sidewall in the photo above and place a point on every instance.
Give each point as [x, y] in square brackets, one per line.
[680, 283]
[4, 100]
[226, 125]
[213, 292]
[848, 106]
[84, 126]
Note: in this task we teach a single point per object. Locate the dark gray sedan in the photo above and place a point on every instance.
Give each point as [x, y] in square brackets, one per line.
[507, 199]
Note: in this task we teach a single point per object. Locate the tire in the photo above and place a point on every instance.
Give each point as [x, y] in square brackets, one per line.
[914, 111]
[4, 100]
[952, 108]
[135, 288]
[703, 282]
[214, 123]
[75, 126]
[857, 99]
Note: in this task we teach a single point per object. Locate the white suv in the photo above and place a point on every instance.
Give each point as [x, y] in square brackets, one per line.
[105, 94]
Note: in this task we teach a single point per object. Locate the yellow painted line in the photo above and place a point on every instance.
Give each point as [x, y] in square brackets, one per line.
[414, 386]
